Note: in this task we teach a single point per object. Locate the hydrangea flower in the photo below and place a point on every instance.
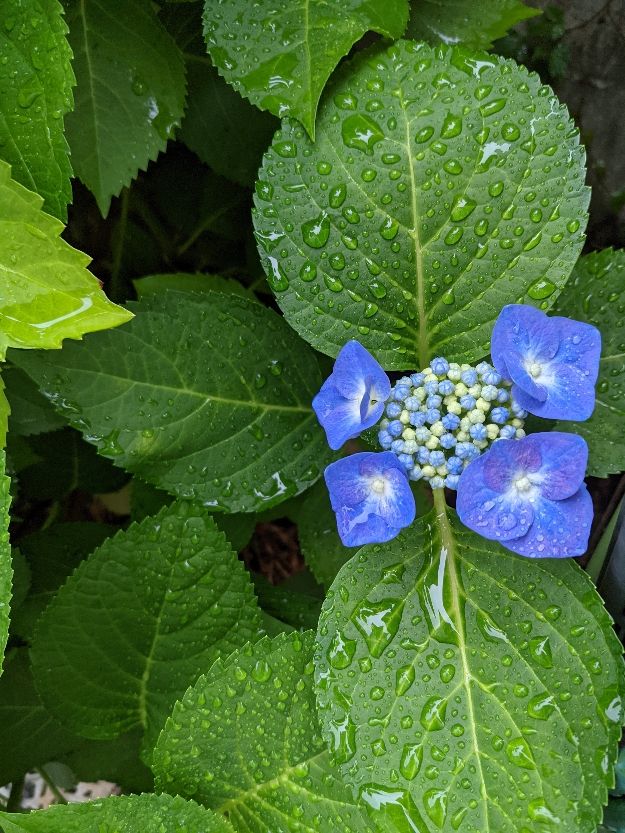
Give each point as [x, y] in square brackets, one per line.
[530, 495]
[553, 363]
[352, 398]
[458, 426]
[370, 496]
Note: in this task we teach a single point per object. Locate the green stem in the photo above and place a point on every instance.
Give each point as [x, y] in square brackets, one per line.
[53, 787]
[14, 804]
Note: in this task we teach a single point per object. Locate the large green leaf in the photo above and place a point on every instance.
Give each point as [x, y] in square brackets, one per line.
[281, 58]
[596, 294]
[232, 428]
[223, 129]
[187, 282]
[475, 23]
[36, 82]
[30, 735]
[127, 813]
[6, 570]
[31, 413]
[139, 621]
[51, 555]
[441, 187]
[244, 740]
[319, 540]
[47, 292]
[464, 687]
[130, 94]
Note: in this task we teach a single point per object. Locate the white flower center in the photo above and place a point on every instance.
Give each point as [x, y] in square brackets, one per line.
[378, 485]
[523, 484]
[535, 369]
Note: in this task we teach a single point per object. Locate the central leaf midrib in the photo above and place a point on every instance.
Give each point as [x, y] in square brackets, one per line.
[422, 349]
[448, 541]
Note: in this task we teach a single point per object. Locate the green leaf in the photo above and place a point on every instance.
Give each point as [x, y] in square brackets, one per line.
[282, 58]
[319, 540]
[30, 735]
[66, 463]
[139, 621]
[244, 741]
[117, 761]
[283, 602]
[223, 129]
[188, 282]
[441, 187]
[147, 500]
[614, 816]
[51, 555]
[130, 94]
[127, 813]
[47, 292]
[6, 569]
[596, 294]
[31, 413]
[233, 428]
[475, 23]
[35, 95]
[449, 668]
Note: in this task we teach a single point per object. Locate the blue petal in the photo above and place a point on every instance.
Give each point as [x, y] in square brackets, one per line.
[567, 350]
[560, 530]
[571, 396]
[352, 397]
[355, 368]
[339, 417]
[363, 515]
[488, 512]
[522, 329]
[563, 463]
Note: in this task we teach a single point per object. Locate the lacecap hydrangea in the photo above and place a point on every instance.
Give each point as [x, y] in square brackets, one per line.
[462, 427]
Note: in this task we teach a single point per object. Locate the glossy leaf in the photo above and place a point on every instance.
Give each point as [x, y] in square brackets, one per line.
[139, 621]
[321, 546]
[475, 23]
[36, 81]
[233, 428]
[130, 813]
[441, 187]
[187, 282]
[30, 735]
[51, 555]
[6, 570]
[281, 58]
[130, 92]
[47, 292]
[464, 687]
[67, 463]
[31, 413]
[262, 765]
[287, 603]
[223, 129]
[596, 294]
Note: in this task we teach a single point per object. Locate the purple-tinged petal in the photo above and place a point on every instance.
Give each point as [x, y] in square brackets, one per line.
[508, 460]
[370, 496]
[564, 458]
[354, 369]
[561, 528]
[522, 329]
[500, 517]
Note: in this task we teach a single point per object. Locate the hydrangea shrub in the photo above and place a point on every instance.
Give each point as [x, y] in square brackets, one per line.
[387, 364]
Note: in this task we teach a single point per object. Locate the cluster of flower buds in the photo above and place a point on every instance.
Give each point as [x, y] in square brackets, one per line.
[440, 419]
